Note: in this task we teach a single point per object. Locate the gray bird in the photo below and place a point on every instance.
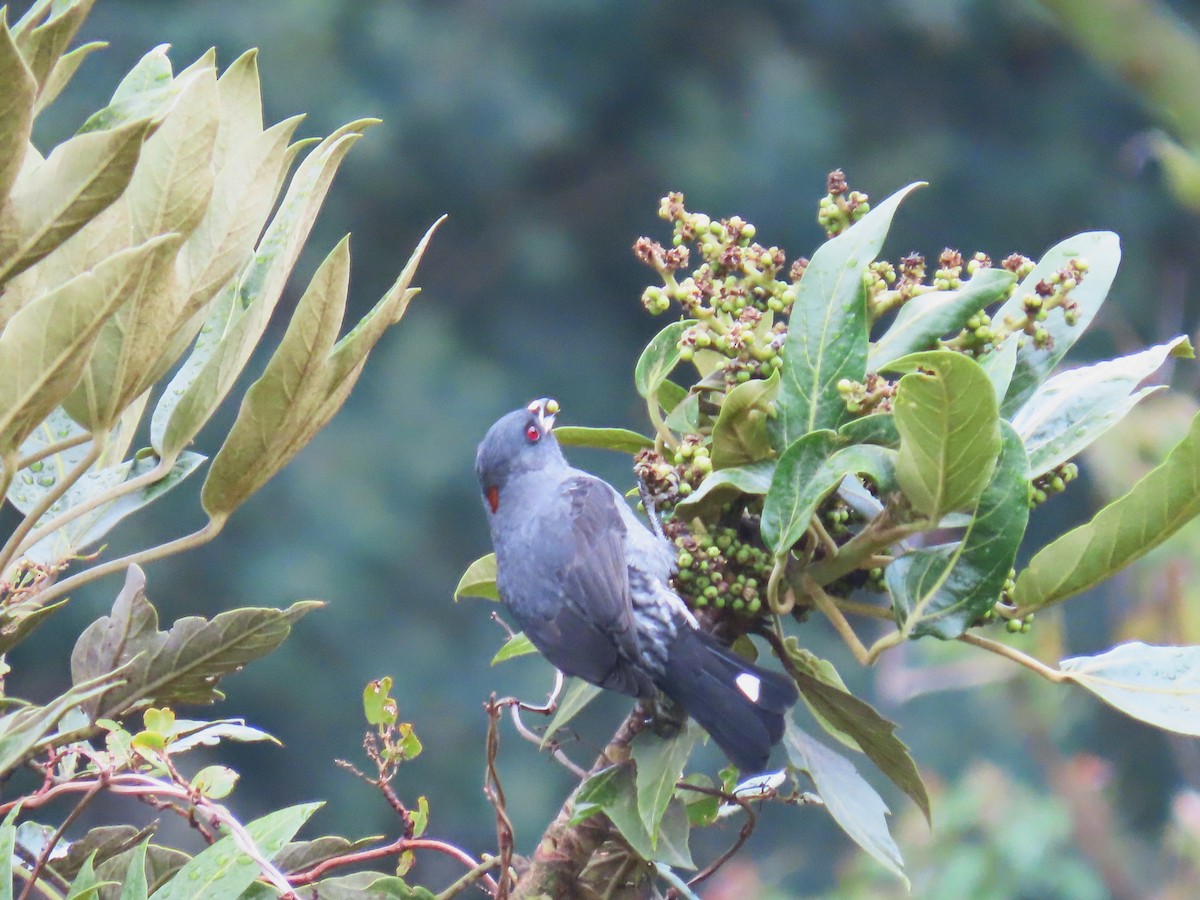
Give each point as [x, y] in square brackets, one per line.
[588, 583]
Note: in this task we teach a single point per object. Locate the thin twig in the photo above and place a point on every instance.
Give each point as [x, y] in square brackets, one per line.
[1047, 672]
[743, 835]
[400, 845]
[44, 856]
[488, 862]
[494, 791]
[52, 496]
[180, 544]
[67, 443]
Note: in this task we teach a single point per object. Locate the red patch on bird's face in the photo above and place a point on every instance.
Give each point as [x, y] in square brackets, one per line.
[493, 497]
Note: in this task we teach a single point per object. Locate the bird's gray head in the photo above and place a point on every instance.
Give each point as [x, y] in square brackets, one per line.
[519, 442]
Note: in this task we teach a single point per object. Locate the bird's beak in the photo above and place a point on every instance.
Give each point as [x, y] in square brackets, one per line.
[547, 410]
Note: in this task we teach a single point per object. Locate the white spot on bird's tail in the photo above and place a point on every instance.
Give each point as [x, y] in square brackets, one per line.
[749, 685]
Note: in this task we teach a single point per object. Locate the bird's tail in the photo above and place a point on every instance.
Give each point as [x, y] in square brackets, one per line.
[740, 705]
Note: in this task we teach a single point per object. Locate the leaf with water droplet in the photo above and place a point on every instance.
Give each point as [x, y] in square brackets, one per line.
[1158, 685]
[223, 870]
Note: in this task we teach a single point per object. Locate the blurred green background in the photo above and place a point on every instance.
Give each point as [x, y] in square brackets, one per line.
[548, 131]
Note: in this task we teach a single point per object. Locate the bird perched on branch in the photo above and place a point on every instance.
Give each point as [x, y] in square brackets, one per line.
[589, 584]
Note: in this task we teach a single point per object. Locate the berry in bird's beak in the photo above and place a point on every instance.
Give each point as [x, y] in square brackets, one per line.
[546, 409]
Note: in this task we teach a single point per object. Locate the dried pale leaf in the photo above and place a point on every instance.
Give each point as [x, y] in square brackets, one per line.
[76, 182]
[44, 44]
[237, 319]
[128, 344]
[62, 73]
[45, 346]
[173, 181]
[16, 110]
[283, 401]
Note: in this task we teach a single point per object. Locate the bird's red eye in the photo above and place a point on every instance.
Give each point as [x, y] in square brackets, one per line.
[532, 433]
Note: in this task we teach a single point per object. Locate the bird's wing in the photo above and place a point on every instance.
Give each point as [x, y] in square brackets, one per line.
[593, 627]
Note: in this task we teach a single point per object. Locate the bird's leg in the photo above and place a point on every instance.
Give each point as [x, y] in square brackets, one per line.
[651, 511]
[664, 716]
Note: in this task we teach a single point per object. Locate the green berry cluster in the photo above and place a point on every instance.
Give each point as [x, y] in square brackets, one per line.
[1053, 482]
[725, 569]
[1005, 610]
[671, 477]
[1052, 292]
[873, 395]
[734, 294]
[841, 207]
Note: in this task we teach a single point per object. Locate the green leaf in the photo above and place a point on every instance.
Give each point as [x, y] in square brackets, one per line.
[659, 763]
[517, 645]
[1102, 250]
[869, 732]
[852, 802]
[78, 181]
[670, 395]
[827, 332]
[613, 791]
[16, 110]
[101, 845]
[297, 856]
[215, 782]
[1072, 409]
[224, 870]
[659, 358]
[46, 345]
[718, 486]
[999, 363]
[134, 885]
[1129, 527]
[161, 863]
[619, 439]
[702, 809]
[806, 474]
[877, 428]
[739, 435]
[182, 665]
[1158, 685]
[927, 317]
[86, 884]
[946, 414]
[577, 694]
[379, 706]
[22, 732]
[8, 843]
[18, 618]
[685, 416]
[942, 590]
[793, 496]
[368, 885]
[479, 580]
[823, 671]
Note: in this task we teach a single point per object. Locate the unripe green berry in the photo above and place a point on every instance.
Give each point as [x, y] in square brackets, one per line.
[1012, 626]
[686, 560]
